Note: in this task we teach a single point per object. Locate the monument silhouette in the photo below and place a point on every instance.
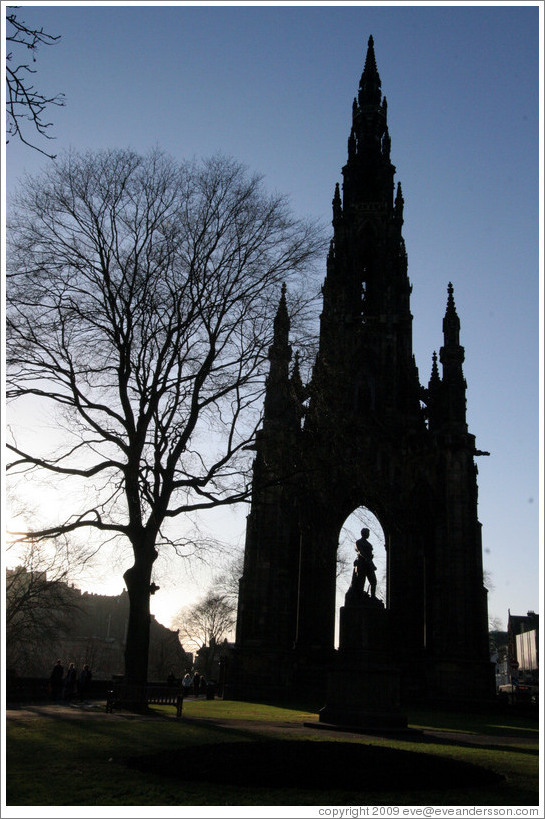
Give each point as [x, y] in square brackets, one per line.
[364, 433]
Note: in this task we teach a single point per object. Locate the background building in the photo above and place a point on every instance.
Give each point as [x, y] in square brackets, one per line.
[523, 647]
[60, 621]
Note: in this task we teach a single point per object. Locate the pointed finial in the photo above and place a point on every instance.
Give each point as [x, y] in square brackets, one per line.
[370, 93]
[451, 322]
[434, 378]
[280, 348]
[433, 395]
[370, 60]
[451, 307]
[452, 356]
[281, 321]
[336, 202]
[296, 380]
[398, 204]
[337, 206]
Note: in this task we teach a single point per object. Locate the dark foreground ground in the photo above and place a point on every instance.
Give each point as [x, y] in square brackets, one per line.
[315, 765]
[224, 753]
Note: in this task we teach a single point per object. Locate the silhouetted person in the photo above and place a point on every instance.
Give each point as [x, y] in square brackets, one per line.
[196, 683]
[187, 682]
[70, 682]
[171, 679]
[56, 680]
[365, 568]
[84, 682]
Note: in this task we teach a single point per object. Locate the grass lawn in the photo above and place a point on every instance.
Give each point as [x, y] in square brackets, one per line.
[85, 760]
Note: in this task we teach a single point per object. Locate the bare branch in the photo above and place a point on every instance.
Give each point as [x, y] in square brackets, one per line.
[141, 297]
[23, 102]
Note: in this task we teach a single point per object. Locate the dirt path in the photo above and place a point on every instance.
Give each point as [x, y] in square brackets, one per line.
[95, 710]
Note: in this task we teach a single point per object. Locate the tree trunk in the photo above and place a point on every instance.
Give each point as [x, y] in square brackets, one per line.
[138, 581]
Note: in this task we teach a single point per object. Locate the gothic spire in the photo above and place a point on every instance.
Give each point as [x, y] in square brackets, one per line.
[337, 206]
[451, 322]
[281, 321]
[398, 205]
[369, 92]
[435, 380]
[368, 174]
[277, 392]
[432, 396]
[452, 357]
[296, 380]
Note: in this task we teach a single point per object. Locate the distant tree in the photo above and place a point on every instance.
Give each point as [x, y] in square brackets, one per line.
[488, 581]
[39, 605]
[226, 582]
[497, 637]
[494, 624]
[166, 654]
[141, 296]
[39, 599]
[205, 625]
[24, 104]
[501, 649]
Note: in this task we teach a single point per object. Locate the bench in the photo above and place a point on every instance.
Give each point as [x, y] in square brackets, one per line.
[132, 695]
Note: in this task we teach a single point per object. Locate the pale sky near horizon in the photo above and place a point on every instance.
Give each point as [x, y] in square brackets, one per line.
[273, 87]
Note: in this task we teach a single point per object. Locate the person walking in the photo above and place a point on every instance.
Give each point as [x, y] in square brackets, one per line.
[196, 683]
[84, 682]
[187, 683]
[70, 682]
[56, 680]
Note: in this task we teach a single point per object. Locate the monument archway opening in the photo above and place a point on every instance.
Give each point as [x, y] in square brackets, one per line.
[361, 518]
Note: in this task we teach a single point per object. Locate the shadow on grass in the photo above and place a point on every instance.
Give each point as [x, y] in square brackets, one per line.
[310, 764]
[492, 723]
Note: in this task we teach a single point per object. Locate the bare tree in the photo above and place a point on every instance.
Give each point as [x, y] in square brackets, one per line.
[37, 611]
[206, 624]
[141, 295]
[39, 605]
[226, 582]
[23, 102]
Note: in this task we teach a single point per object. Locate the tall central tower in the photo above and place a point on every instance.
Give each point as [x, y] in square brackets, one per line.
[364, 432]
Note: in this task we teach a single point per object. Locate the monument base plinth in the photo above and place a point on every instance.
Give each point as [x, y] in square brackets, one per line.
[363, 694]
[364, 688]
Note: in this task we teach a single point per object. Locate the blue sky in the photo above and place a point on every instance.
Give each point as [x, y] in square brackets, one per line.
[273, 87]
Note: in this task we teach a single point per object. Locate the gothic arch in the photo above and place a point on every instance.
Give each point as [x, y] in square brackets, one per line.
[350, 531]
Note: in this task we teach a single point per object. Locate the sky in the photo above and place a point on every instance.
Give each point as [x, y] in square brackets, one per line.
[272, 86]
